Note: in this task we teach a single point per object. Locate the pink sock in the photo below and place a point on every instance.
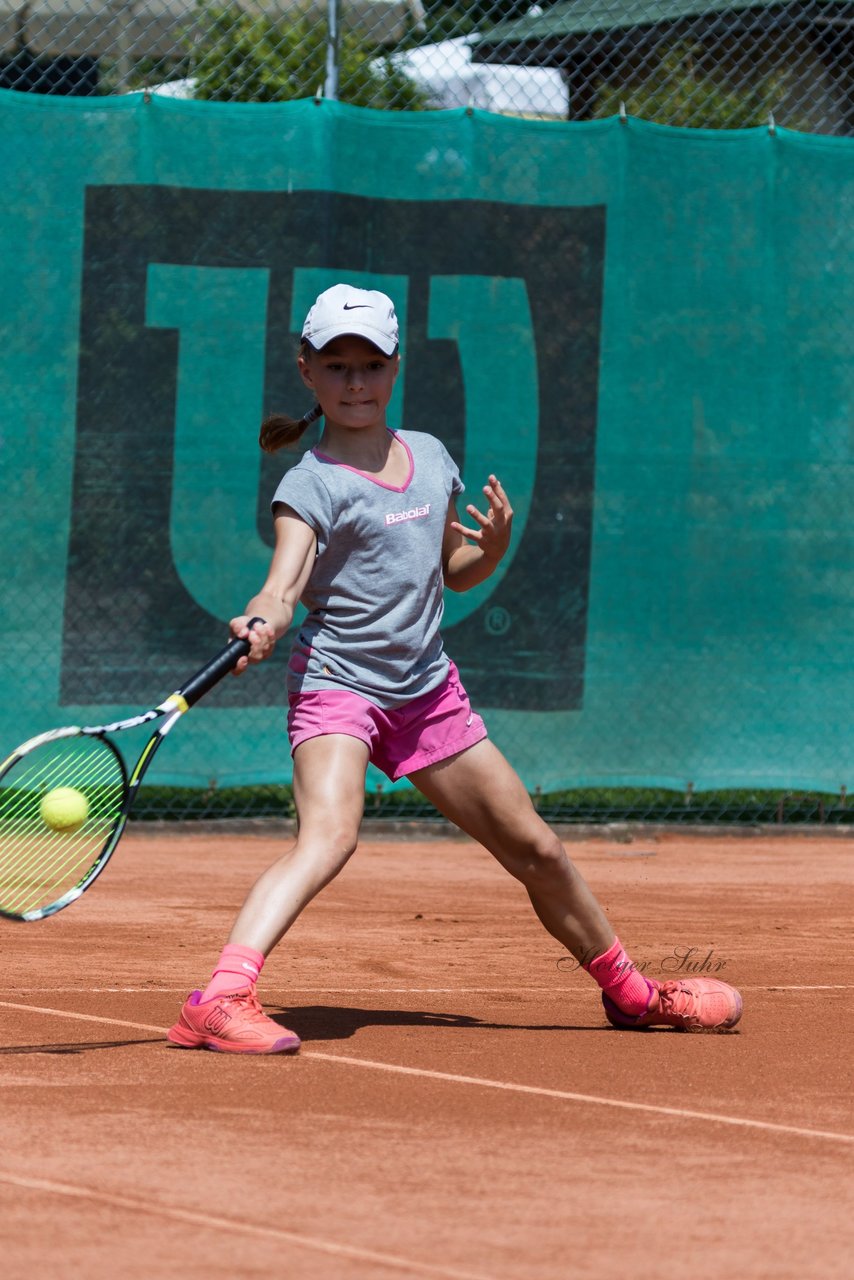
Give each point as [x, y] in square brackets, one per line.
[236, 970]
[620, 980]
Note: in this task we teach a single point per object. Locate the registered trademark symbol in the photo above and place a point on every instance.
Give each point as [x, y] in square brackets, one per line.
[498, 621]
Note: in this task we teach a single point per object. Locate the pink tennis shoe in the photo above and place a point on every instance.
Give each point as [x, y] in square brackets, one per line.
[691, 1004]
[230, 1024]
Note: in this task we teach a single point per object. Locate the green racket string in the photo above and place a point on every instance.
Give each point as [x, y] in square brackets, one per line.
[39, 865]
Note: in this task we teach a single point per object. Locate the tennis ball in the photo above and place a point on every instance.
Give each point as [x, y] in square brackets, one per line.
[64, 809]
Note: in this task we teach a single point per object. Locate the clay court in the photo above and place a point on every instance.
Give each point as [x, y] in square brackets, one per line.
[460, 1107]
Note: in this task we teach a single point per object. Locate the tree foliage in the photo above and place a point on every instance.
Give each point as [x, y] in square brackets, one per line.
[246, 57]
[684, 89]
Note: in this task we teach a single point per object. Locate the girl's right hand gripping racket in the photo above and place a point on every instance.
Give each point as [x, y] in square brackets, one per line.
[49, 857]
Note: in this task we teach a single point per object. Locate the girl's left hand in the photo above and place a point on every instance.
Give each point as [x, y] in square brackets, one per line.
[493, 535]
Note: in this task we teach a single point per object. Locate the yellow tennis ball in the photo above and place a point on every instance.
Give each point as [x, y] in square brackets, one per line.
[64, 809]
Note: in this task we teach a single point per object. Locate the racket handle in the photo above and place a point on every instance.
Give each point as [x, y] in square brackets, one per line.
[212, 672]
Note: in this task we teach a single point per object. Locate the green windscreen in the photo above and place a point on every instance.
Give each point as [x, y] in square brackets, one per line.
[645, 332]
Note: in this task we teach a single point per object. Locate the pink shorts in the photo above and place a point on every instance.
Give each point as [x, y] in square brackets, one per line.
[428, 729]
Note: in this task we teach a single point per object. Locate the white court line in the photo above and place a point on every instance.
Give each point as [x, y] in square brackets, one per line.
[82, 1017]
[138, 1205]
[482, 1082]
[559, 992]
[837, 986]
[678, 1112]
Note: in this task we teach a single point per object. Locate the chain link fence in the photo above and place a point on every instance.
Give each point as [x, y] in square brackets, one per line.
[673, 62]
[588, 806]
[698, 63]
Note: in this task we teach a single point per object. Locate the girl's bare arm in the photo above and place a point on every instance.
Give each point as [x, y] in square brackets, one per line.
[293, 558]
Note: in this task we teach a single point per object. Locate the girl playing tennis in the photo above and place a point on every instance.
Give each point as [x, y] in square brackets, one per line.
[368, 536]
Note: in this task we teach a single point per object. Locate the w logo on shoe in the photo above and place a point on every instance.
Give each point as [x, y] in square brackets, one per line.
[217, 1020]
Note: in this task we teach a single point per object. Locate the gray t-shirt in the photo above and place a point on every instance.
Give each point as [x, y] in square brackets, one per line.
[375, 594]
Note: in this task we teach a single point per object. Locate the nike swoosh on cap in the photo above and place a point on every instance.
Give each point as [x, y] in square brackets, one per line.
[357, 306]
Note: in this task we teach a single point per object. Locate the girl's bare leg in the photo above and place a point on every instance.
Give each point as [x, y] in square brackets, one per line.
[329, 793]
[482, 794]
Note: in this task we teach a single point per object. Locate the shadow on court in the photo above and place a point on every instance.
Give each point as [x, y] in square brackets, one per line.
[332, 1022]
[79, 1047]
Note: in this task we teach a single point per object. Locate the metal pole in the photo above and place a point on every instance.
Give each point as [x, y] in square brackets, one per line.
[123, 63]
[330, 86]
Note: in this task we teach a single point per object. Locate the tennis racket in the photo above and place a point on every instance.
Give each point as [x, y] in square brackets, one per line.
[49, 858]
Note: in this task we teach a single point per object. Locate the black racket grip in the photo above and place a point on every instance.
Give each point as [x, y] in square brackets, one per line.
[212, 672]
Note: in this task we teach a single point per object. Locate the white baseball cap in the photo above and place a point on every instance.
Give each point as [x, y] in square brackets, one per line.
[344, 309]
